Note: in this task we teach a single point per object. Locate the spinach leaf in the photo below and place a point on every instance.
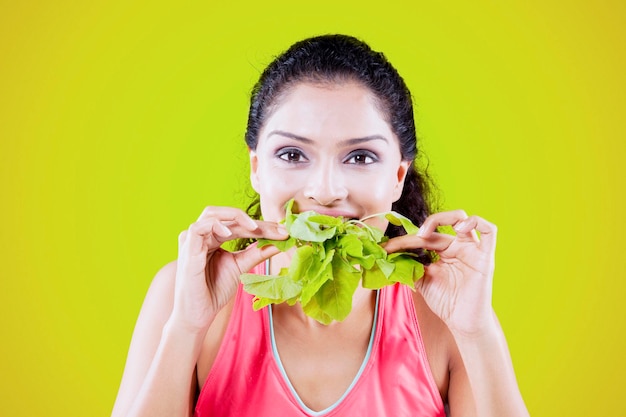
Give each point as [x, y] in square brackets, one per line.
[332, 256]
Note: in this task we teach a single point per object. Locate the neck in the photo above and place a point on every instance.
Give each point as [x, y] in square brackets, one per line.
[363, 302]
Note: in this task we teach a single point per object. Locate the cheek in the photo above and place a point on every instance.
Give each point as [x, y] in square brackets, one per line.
[275, 191]
[380, 192]
[376, 190]
[374, 194]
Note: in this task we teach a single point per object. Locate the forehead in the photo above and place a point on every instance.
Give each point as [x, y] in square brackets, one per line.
[338, 110]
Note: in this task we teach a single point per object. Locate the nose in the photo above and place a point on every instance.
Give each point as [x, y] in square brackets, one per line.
[326, 185]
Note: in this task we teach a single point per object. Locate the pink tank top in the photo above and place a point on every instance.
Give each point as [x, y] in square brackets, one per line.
[247, 378]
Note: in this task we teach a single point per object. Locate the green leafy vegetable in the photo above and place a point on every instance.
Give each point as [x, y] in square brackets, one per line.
[332, 256]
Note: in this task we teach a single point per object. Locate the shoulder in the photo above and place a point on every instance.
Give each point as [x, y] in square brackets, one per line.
[159, 299]
[213, 342]
[158, 307]
[155, 311]
[165, 278]
[438, 342]
[160, 294]
[444, 358]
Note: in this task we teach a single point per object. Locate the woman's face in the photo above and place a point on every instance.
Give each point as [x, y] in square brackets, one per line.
[329, 148]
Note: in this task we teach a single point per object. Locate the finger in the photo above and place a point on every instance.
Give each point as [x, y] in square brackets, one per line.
[229, 216]
[252, 255]
[436, 242]
[242, 225]
[270, 230]
[182, 238]
[204, 231]
[487, 230]
[445, 218]
[210, 233]
[207, 234]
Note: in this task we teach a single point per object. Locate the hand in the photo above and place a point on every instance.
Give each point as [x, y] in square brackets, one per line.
[458, 286]
[207, 275]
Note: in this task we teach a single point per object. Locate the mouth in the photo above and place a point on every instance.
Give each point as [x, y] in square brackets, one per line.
[335, 213]
[345, 214]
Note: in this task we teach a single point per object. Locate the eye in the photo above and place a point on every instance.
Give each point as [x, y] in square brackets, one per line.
[291, 155]
[361, 157]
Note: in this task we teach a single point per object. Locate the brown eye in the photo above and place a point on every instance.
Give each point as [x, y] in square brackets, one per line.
[361, 158]
[291, 155]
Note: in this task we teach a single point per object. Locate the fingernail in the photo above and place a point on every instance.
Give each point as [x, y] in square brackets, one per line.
[459, 226]
[282, 230]
[253, 225]
[421, 232]
[225, 231]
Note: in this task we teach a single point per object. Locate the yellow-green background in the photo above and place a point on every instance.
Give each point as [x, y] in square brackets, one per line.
[121, 120]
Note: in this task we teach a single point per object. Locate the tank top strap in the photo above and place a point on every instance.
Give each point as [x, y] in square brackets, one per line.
[402, 356]
[243, 360]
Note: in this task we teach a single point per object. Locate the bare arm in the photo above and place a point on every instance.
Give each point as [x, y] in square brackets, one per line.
[161, 359]
[458, 289]
[489, 374]
[482, 379]
[183, 301]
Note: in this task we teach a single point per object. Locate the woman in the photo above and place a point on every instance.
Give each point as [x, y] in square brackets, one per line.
[331, 126]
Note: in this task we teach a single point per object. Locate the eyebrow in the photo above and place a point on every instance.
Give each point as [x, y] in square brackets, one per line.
[353, 141]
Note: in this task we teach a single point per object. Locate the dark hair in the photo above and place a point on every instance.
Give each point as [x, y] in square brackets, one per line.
[342, 58]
